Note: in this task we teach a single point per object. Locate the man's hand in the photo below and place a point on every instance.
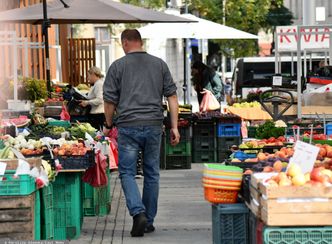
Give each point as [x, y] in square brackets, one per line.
[106, 131]
[175, 136]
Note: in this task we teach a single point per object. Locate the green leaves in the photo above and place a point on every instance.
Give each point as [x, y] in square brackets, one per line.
[36, 89]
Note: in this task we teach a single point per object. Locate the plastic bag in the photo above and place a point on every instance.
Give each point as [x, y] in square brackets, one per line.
[64, 115]
[209, 102]
[96, 175]
[113, 156]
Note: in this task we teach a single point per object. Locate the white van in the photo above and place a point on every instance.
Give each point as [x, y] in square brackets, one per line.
[257, 72]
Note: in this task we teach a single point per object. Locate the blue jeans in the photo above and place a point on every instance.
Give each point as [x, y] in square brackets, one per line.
[130, 141]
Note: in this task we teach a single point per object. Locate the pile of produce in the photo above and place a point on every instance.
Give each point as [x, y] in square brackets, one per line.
[269, 129]
[254, 104]
[41, 130]
[295, 177]
[78, 130]
[70, 150]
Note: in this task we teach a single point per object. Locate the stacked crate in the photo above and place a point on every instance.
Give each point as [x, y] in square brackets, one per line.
[47, 212]
[228, 134]
[19, 207]
[230, 223]
[96, 200]
[68, 207]
[179, 156]
[303, 215]
[204, 141]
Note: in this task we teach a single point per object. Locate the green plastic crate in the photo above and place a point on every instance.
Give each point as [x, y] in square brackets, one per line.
[47, 213]
[37, 213]
[96, 200]
[67, 206]
[181, 149]
[301, 235]
[60, 123]
[329, 142]
[20, 186]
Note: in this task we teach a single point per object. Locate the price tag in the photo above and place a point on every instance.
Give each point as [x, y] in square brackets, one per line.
[305, 156]
[277, 81]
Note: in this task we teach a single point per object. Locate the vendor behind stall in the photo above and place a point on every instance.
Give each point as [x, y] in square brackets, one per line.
[95, 98]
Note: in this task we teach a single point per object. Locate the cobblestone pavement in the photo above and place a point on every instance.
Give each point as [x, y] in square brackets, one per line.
[183, 217]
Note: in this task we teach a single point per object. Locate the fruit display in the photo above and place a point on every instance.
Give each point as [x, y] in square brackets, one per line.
[21, 121]
[70, 150]
[295, 177]
[254, 144]
[253, 104]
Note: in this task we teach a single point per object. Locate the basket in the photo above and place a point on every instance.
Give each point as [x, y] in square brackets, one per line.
[215, 195]
[77, 162]
[11, 186]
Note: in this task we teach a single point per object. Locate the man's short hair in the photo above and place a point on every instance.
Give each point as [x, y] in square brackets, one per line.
[131, 35]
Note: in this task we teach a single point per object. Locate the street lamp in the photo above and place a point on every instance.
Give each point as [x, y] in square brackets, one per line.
[46, 24]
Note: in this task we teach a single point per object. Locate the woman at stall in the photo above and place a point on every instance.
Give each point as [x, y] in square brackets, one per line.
[204, 77]
[95, 98]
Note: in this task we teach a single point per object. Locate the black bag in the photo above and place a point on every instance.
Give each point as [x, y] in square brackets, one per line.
[75, 109]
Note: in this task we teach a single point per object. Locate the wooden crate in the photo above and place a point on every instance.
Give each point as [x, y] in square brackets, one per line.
[296, 206]
[52, 110]
[17, 218]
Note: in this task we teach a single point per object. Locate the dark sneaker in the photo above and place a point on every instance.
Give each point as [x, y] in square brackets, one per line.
[149, 229]
[139, 223]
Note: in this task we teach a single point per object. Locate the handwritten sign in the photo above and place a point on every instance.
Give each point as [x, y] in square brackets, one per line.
[277, 80]
[305, 156]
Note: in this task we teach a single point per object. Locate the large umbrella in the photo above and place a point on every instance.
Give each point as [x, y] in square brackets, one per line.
[87, 11]
[81, 11]
[199, 29]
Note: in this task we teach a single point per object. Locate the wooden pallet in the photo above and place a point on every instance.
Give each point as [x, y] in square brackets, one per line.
[17, 218]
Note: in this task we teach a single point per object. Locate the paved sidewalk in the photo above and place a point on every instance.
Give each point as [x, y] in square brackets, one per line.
[183, 217]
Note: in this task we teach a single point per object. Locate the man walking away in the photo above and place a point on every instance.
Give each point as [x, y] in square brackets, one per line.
[135, 85]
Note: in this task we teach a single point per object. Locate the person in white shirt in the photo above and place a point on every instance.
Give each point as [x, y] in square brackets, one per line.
[95, 98]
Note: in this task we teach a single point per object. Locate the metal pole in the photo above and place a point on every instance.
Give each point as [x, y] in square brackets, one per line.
[185, 88]
[299, 75]
[305, 63]
[46, 25]
[308, 13]
[276, 53]
[15, 46]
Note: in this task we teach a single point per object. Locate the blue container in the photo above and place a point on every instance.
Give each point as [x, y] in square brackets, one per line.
[243, 156]
[230, 223]
[228, 130]
[328, 129]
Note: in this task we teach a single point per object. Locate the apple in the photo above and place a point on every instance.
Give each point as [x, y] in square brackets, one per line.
[261, 156]
[277, 166]
[268, 169]
[272, 183]
[299, 180]
[248, 172]
[285, 182]
[317, 175]
[294, 170]
[327, 172]
[307, 176]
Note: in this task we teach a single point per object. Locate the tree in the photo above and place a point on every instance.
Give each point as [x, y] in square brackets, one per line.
[246, 15]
